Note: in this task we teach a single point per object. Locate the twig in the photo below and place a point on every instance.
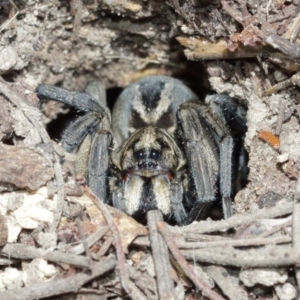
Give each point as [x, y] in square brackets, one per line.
[91, 240]
[276, 228]
[280, 118]
[21, 251]
[18, 100]
[6, 24]
[76, 11]
[236, 220]
[268, 7]
[227, 256]
[60, 286]
[228, 285]
[283, 45]
[296, 226]
[261, 241]
[234, 14]
[82, 237]
[105, 246]
[206, 290]
[128, 286]
[194, 237]
[294, 80]
[161, 259]
[235, 243]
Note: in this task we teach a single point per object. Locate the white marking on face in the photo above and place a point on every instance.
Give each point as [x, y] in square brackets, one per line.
[162, 193]
[148, 140]
[132, 194]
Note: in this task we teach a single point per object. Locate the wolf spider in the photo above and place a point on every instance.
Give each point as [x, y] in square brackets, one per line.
[171, 151]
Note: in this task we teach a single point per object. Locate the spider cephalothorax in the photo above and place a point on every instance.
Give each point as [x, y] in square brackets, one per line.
[170, 149]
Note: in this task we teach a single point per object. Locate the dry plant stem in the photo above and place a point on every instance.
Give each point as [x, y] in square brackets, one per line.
[18, 100]
[60, 286]
[280, 118]
[206, 290]
[82, 237]
[194, 237]
[106, 245]
[128, 286]
[91, 240]
[283, 45]
[296, 226]
[182, 244]
[161, 259]
[23, 252]
[236, 220]
[276, 228]
[227, 284]
[233, 13]
[77, 14]
[294, 80]
[227, 256]
[235, 243]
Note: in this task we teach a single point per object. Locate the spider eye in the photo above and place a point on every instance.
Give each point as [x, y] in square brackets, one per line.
[154, 154]
[139, 154]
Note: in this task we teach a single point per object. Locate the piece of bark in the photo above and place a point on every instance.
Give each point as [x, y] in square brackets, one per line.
[199, 49]
[23, 168]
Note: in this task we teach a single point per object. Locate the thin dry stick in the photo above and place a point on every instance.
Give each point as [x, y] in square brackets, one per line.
[194, 237]
[128, 286]
[296, 226]
[182, 244]
[276, 228]
[161, 258]
[82, 237]
[61, 286]
[91, 240]
[21, 251]
[18, 100]
[106, 245]
[228, 284]
[227, 256]
[206, 290]
[280, 118]
[77, 12]
[236, 220]
[235, 243]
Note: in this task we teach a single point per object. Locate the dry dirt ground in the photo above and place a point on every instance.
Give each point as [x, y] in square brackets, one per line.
[56, 242]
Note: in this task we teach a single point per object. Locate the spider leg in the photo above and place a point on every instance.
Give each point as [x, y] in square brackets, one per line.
[201, 151]
[233, 125]
[89, 135]
[78, 130]
[207, 132]
[98, 163]
[179, 212]
[96, 89]
[82, 101]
